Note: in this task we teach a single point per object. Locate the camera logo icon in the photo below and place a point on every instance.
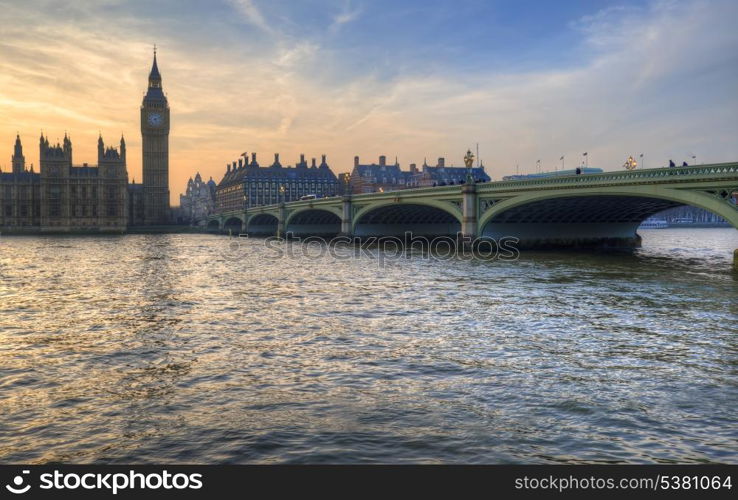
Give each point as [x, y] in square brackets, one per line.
[18, 487]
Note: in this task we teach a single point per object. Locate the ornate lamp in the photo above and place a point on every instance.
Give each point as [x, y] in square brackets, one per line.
[469, 161]
[630, 163]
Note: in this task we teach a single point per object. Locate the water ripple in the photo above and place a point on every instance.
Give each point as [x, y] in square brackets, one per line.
[146, 349]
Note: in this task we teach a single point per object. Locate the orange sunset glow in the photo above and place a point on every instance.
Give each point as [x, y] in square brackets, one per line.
[245, 76]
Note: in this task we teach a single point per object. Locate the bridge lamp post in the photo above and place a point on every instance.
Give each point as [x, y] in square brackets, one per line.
[281, 192]
[694, 159]
[468, 162]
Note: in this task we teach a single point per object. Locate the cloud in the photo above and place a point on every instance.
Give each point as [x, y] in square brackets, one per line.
[659, 79]
[346, 16]
[297, 54]
[655, 80]
[251, 13]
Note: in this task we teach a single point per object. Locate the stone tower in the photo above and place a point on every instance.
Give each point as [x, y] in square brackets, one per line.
[155, 145]
[19, 161]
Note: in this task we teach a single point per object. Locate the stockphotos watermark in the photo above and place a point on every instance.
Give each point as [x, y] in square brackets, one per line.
[112, 482]
[383, 250]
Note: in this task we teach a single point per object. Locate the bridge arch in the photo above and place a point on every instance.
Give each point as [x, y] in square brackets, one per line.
[263, 223]
[233, 224]
[314, 221]
[213, 225]
[390, 218]
[593, 216]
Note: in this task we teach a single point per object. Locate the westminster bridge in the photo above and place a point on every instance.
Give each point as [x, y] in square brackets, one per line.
[567, 211]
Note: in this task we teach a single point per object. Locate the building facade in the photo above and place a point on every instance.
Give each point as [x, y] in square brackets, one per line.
[20, 193]
[445, 175]
[247, 184]
[63, 197]
[377, 177]
[198, 201]
[381, 177]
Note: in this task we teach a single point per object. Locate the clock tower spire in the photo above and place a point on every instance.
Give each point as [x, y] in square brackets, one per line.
[155, 146]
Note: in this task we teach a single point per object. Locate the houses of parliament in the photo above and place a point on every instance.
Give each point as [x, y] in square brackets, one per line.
[65, 197]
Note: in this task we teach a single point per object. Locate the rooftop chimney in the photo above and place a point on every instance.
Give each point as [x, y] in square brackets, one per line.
[228, 168]
[382, 161]
[441, 162]
[356, 161]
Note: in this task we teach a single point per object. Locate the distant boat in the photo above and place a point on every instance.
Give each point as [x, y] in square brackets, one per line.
[654, 223]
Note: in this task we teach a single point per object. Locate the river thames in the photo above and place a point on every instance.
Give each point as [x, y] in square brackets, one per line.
[168, 349]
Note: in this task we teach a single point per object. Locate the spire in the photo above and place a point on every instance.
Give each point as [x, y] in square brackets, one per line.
[154, 75]
[19, 162]
[155, 95]
[67, 147]
[122, 147]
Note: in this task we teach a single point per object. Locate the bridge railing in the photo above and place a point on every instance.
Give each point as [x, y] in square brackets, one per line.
[653, 174]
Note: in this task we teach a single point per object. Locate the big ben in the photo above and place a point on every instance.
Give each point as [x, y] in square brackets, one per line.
[155, 146]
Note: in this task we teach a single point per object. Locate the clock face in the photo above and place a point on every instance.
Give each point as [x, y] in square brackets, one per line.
[154, 119]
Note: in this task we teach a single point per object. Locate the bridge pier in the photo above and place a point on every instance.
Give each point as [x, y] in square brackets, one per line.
[469, 210]
[281, 219]
[346, 218]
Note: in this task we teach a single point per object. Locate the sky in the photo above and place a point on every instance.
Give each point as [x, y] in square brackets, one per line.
[525, 80]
